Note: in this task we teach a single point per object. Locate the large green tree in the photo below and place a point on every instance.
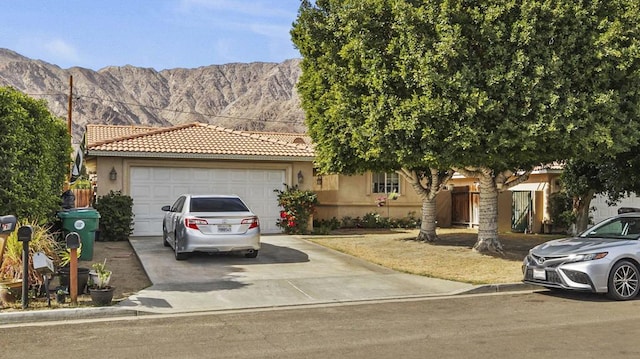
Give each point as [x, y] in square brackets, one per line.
[35, 152]
[615, 177]
[488, 88]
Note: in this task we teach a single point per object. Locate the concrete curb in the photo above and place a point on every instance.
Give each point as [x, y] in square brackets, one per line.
[48, 315]
[500, 288]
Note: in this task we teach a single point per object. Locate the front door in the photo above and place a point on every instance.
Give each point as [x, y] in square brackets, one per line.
[521, 211]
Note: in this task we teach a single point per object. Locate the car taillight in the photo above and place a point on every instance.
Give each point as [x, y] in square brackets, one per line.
[194, 222]
[252, 222]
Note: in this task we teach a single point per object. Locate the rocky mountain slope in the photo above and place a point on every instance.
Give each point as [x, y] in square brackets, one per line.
[246, 96]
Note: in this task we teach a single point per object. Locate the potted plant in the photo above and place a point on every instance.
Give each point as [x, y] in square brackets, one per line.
[100, 290]
[10, 291]
[61, 295]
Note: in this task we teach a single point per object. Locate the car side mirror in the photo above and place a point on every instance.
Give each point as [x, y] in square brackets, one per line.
[166, 208]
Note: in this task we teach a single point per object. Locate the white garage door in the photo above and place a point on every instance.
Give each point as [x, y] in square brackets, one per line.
[154, 187]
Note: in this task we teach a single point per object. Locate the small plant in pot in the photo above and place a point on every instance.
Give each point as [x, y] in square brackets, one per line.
[99, 289]
[61, 294]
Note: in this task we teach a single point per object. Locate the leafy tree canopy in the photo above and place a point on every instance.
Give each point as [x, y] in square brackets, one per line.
[393, 83]
[34, 153]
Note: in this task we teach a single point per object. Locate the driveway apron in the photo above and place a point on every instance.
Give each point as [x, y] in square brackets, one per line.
[289, 271]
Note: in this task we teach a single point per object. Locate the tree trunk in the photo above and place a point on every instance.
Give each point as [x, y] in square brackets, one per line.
[488, 227]
[427, 191]
[581, 210]
[428, 225]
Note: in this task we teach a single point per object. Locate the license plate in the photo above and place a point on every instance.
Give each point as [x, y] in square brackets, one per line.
[539, 274]
[224, 228]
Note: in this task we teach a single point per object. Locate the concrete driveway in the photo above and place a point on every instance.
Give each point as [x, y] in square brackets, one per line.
[288, 271]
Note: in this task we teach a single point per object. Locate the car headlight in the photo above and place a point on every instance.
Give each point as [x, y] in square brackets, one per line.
[586, 257]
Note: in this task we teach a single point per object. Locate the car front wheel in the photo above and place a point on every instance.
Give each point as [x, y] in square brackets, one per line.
[623, 281]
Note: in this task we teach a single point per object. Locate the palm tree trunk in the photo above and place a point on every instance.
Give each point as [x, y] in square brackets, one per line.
[427, 184]
[428, 225]
[488, 227]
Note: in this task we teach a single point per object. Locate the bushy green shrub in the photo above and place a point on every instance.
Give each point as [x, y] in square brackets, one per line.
[329, 224]
[116, 216]
[410, 221]
[35, 150]
[561, 208]
[297, 206]
[375, 220]
[349, 222]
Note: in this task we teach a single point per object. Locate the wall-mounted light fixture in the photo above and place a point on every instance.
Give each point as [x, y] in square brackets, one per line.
[319, 180]
[113, 175]
[300, 177]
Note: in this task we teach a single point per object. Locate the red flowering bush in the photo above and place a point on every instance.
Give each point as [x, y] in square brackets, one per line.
[297, 206]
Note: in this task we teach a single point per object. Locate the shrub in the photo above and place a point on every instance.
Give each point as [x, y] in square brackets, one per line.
[116, 216]
[375, 220]
[41, 241]
[561, 208]
[297, 206]
[35, 154]
[329, 224]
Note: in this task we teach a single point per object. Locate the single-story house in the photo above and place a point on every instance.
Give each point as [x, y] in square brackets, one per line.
[155, 165]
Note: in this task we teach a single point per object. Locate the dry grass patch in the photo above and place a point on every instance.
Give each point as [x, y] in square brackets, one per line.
[450, 258]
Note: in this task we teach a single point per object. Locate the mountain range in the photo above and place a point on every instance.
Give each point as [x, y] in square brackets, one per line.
[256, 96]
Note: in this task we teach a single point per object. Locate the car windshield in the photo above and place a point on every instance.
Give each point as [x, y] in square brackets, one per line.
[210, 204]
[620, 228]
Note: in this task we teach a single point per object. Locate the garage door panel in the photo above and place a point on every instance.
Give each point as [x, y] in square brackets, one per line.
[154, 187]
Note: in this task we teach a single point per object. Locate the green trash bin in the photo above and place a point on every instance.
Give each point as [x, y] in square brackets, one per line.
[83, 221]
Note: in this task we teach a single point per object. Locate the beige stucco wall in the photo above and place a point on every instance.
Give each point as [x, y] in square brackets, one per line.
[350, 196]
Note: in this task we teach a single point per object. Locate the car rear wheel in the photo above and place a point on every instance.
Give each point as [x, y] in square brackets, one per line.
[623, 281]
[251, 254]
[180, 256]
[165, 240]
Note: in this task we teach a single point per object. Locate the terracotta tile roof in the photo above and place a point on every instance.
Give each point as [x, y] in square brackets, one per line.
[194, 140]
[101, 133]
[286, 137]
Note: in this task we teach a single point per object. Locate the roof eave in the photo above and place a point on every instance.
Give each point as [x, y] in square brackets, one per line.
[198, 156]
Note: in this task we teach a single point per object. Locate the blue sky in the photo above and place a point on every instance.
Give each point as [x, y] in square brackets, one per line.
[160, 34]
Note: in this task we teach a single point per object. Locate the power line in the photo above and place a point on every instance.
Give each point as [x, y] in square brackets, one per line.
[79, 97]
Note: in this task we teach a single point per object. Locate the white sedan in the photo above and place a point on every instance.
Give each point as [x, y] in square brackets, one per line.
[210, 223]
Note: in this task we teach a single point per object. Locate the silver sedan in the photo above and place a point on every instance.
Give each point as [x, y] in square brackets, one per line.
[210, 223]
[603, 259]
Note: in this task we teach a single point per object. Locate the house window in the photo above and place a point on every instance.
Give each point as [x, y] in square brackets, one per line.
[385, 183]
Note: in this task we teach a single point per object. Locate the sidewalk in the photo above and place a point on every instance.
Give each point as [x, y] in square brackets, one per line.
[288, 272]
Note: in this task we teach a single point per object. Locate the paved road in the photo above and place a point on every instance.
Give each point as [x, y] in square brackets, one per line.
[532, 325]
[288, 271]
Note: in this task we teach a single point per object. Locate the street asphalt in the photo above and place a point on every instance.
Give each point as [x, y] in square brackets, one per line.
[289, 271]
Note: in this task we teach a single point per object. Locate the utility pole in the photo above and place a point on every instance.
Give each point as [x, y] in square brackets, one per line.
[70, 106]
[69, 110]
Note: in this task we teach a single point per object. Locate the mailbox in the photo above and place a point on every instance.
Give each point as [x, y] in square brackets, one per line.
[73, 240]
[42, 263]
[25, 233]
[7, 224]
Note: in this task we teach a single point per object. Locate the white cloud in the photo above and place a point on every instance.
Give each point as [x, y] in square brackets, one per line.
[257, 8]
[62, 50]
